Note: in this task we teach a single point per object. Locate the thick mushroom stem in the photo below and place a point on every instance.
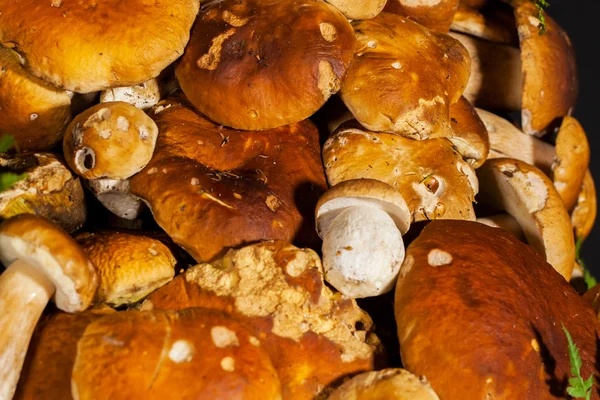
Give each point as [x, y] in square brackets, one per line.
[24, 293]
[362, 251]
[116, 196]
[505, 222]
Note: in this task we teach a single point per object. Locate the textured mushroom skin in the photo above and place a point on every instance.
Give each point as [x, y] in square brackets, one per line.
[583, 215]
[47, 369]
[468, 134]
[430, 174]
[486, 322]
[404, 77]
[211, 188]
[314, 336]
[190, 354]
[50, 190]
[86, 45]
[363, 9]
[32, 111]
[282, 59]
[436, 15]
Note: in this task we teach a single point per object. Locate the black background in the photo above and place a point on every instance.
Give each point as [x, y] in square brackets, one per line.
[581, 20]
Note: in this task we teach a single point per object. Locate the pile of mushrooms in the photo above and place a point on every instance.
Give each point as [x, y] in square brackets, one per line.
[294, 199]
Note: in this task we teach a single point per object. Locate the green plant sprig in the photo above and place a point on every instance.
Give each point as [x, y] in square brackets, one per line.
[578, 388]
[541, 5]
[589, 279]
[7, 179]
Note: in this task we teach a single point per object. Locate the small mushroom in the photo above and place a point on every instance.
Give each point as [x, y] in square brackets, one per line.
[436, 15]
[404, 77]
[361, 223]
[524, 192]
[34, 112]
[143, 96]
[391, 383]
[49, 189]
[42, 262]
[565, 163]
[130, 266]
[584, 213]
[364, 9]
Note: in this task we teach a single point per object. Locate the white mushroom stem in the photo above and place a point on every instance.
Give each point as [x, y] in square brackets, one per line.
[116, 196]
[362, 251]
[505, 222]
[24, 293]
[496, 80]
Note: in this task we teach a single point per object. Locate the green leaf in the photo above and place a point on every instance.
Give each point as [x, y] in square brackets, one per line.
[578, 388]
[6, 142]
[541, 5]
[589, 279]
[7, 179]
[589, 383]
[577, 392]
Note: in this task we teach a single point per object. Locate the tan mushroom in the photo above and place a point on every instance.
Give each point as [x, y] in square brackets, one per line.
[404, 77]
[524, 192]
[565, 163]
[361, 223]
[143, 96]
[364, 9]
[495, 22]
[467, 133]
[130, 266]
[43, 262]
[32, 111]
[436, 15]
[49, 189]
[584, 213]
[430, 174]
[313, 335]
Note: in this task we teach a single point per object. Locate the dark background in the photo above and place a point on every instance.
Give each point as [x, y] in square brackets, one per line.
[581, 20]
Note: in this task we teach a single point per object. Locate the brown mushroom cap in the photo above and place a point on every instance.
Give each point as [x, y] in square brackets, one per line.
[68, 45]
[479, 314]
[282, 59]
[436, 15]
[495, 22]
[550, 80]
[404, 77]
[314, 336]
[211, 188]
[195, 353]
[393, 383]
[468, 133]
[583, 215]
[429, 174]
[129, 266]
[45, 246]
[110, 140]
[32, 111]
[47, 369]
[49, 189]
[527, 194]
[363, 9]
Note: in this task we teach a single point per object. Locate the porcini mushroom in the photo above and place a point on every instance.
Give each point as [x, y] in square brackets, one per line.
[391, 383]
[108, 143]
[361, 223]
[359, 9]
[314, 336]
[404, 77]
[143, 96]
[211, 188]
[524, 192]
[49, 189]
[565, 163]
[584, 213]
[195, 353]
[33, 111]
[130, 266]
[436, 15]
[67, 45]
[43, 262]
[288, 57]
[495, 22]
[480, 314]
[430, 174]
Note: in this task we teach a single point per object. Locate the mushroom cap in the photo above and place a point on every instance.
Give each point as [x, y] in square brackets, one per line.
[494, 22]
[196, 353]
[583, 215]
[436, 15]
[32, 111]
[46, 247]
[362, 192]
[430, 174]
[479, 314]
[550, 80]
[143, 96]
[391, 383]
[49, 190]
[247, 47]
[47, 369]
[527, 194]
[115, 195]
[211, 188]
[66, 43]
[404, 77]
[364, 9]
[468, 133]
[130, 266]
[110, 140]
[313, 335]
[572, 159]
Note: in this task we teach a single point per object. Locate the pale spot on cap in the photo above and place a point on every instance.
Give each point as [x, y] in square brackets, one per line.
[181, 351]
[437, 257]
[223, 337]
[228, 364]
[254, 341]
